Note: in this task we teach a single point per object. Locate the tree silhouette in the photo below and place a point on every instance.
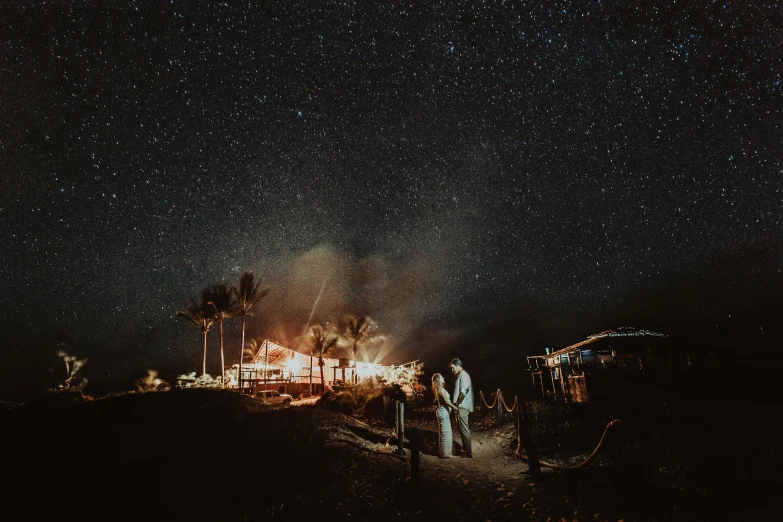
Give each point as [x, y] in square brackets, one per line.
[251, 348]
[246, 295]
[201, 316]
[357, 331]
[221, 299]
[320, 340]
[62, 340]
[72, 366]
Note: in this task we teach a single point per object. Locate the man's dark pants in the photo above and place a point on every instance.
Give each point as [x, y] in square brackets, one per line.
[464, 431]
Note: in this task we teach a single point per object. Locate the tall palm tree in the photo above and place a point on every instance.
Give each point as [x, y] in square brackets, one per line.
[61, 340]
[246, 295]
[201, 316]
[357, 331]
[251, 349]
[320, 340]
[221, 299]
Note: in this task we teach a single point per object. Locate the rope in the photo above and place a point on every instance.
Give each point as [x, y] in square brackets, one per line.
[584, 462]
[499, 394]
[485, 401]
[503, 400]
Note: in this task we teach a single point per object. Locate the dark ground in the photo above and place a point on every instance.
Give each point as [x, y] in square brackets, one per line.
[212, 455]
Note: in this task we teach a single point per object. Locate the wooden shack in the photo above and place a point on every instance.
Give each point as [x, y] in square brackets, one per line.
[605, 363]
[276, 367]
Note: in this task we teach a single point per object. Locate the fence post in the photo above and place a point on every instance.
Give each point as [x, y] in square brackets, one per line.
[395, 403]
[400, 427]
[499, 399]
[523, 439]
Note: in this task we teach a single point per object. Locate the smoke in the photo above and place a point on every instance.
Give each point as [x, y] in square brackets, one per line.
[151, 383]
[401, 295]
[295, 286]
[72, 366]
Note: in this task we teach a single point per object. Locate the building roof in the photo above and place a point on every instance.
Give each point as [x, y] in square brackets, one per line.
[623, 331]
[278, 355]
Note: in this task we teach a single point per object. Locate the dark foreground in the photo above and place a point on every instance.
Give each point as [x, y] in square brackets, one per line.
[211, 455]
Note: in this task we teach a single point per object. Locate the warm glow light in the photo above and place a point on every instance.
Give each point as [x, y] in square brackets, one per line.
[291, 366]
[365, 369]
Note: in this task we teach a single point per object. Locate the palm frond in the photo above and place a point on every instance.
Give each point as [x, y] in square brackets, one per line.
[251, 348]
[248, 293]
[221, 302]
[320, 340]
[357, 330]
[197, 314]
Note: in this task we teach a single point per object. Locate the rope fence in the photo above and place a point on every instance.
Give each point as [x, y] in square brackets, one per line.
[503, 400]
[499, 396]
[581, 464]
[523, 435]
[484, 400]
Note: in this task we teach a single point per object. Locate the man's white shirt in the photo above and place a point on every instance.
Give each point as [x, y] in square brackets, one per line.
[464, 386]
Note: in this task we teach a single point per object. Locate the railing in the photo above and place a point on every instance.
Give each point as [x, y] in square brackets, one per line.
[519, 414]
[499, 401]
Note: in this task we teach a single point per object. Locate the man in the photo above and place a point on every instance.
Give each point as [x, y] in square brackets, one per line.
[463, 399]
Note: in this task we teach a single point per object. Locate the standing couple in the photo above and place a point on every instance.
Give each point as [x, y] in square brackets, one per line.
[462, 406]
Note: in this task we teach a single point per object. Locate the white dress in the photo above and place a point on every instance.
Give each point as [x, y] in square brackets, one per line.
[445, 440]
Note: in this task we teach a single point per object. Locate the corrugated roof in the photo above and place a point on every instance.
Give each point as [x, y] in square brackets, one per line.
[279, 355]
[622, 331]
[567, 349]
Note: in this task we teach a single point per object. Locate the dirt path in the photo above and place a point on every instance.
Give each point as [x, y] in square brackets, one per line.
[493, 485]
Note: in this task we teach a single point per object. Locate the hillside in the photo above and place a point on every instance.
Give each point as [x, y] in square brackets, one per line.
[212, 455]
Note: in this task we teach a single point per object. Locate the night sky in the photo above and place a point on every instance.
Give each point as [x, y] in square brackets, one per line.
[514, 174]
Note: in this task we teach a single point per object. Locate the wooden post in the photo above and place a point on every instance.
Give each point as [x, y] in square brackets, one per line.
[266, 362]
[523, 439]
[386, 414]
[400, 428]
[397, 419]
[563, 384]
[415, 449]
[499, 398]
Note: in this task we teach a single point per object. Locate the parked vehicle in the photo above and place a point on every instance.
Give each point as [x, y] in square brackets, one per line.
[274, 397]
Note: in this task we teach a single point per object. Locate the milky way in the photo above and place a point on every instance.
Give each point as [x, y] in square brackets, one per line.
[442, 166]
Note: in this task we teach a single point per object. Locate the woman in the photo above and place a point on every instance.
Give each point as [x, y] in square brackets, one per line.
[445, 406]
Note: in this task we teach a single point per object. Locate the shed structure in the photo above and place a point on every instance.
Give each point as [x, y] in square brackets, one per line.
[276, 367]
[600, 364]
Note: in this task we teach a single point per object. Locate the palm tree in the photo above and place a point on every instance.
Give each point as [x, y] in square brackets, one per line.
[246, 295]
[221, 299]
[201, 317]
[61, 340]
[251, 349]
[357, 331]
[320, 340]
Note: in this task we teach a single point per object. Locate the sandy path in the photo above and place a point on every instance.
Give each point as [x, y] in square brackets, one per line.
[493, 485]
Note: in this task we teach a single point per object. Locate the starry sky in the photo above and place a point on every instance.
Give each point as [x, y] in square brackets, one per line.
[518, 174]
